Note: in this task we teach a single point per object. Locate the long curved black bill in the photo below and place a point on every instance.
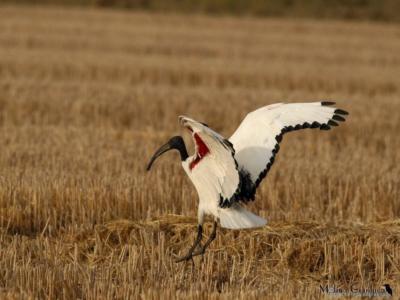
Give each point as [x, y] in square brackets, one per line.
[159, 152]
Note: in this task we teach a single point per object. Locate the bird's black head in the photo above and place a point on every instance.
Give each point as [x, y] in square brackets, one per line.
[175, 142]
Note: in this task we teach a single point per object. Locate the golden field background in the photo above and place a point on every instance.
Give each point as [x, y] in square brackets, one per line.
[87, 96]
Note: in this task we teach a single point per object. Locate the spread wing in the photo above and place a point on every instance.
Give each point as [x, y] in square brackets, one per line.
[212, 168]
[257, 139]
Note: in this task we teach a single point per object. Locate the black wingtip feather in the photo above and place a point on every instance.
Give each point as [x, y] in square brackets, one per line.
[341, 112]
[325, 127]
[332, 123]
[298, 126]
[338, 118]
[315, 124]
[327, 103]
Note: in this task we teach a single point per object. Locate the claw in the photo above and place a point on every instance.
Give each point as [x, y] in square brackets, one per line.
[200, 251]
[189, 255]
[197, 248]
[185, 258]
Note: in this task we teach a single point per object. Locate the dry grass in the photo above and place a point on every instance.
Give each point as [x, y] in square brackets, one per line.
[87, 96]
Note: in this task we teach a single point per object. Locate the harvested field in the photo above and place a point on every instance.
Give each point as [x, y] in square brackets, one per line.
[86, 96]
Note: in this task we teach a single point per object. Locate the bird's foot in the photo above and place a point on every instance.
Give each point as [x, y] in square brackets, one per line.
[192, 252]
[188, 256]
[200, 251]
[198, 248]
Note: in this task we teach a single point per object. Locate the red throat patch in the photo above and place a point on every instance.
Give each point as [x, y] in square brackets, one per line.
[202, 151]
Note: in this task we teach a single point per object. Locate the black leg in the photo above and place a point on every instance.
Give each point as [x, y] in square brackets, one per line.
[189, 255]
[212, 237]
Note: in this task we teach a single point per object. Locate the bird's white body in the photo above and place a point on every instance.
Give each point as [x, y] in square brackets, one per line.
[234, 217]
[208, 193]
[226, 172]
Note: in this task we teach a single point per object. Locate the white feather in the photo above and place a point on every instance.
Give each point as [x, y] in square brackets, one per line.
[216, 172]
[255, 139]
[236, 217]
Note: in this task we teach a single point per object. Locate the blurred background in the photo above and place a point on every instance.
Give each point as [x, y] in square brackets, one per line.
[88, 93]
[379, 10]
[90, 89]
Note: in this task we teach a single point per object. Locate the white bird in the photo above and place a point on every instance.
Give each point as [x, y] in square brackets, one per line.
[227, 172]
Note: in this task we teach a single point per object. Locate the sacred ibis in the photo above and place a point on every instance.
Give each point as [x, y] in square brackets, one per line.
[227, 172]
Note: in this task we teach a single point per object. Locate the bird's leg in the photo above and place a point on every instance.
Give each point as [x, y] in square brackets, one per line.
[189, 255]
[212, 237]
